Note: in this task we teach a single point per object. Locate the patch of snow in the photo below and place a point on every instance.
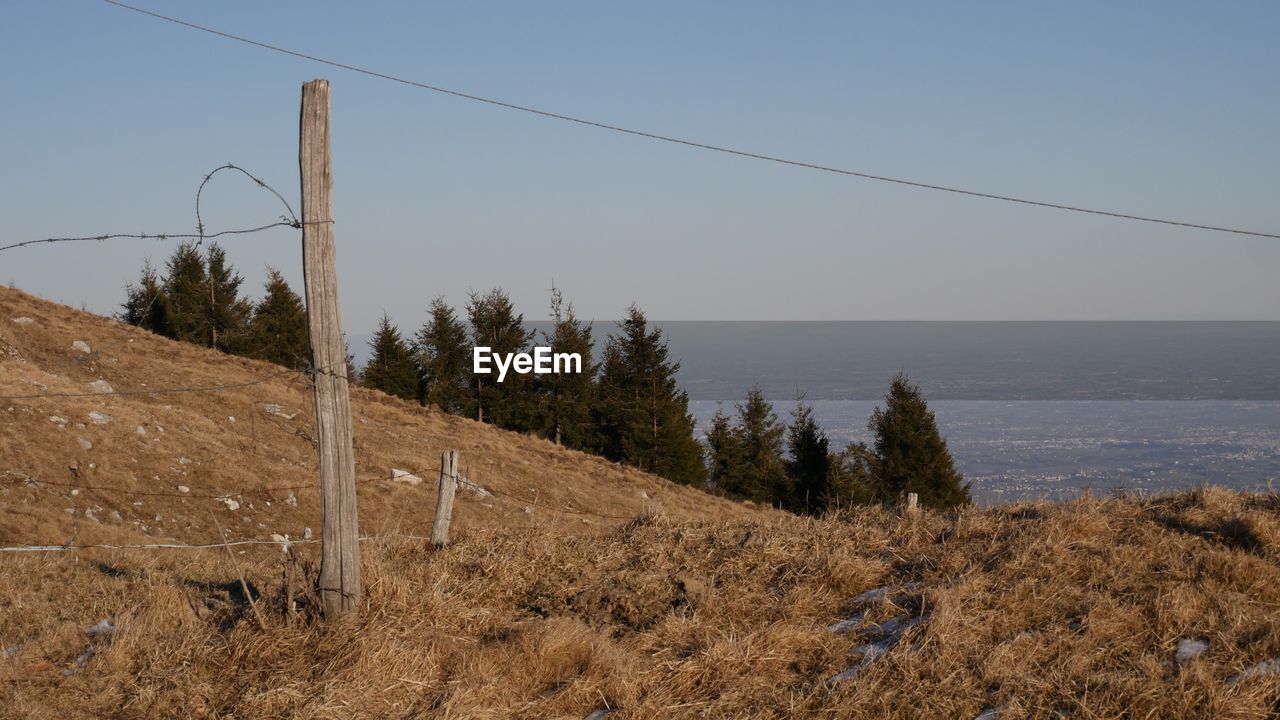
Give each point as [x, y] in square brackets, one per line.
[103, 629]
[1264, 668]
[845, 626]
[1189, 649]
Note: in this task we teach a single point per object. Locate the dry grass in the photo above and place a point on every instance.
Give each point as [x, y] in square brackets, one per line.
[694, 608]
[224, 443]
[1069, 610]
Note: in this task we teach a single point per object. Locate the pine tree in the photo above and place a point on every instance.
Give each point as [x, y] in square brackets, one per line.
[851, 478]
[444, 360]
[910, 453]
[760, 474]
[565, 399]
[391, 368]
[723, 457]
[278, 331]
[146, 305]
[641, 414]
[810, 460]
[186, 286]
[226, 314]
[496, 325]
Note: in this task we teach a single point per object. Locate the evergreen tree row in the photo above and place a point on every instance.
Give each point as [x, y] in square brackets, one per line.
[628, 408]
[198, 300]
[758, 458]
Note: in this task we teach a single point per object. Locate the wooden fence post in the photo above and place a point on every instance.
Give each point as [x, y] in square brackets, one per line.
[340, 555]
[913, 503]
[444, 500]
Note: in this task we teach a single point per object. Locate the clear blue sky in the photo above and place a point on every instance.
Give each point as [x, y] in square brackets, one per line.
[1163, 108]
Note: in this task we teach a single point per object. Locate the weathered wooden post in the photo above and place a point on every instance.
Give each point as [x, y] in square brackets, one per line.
[444, 500]
[340, 556]
[913, 503]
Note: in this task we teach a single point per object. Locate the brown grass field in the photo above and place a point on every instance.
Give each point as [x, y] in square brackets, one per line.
[579, 586]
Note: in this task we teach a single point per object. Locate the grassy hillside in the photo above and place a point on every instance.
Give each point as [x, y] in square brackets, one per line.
[690, 607]
[252, 444]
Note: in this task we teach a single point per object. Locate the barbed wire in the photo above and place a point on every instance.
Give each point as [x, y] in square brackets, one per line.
[290, 219]
[691, 143]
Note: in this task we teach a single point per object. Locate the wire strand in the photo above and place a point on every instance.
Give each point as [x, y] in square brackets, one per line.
[692, 143]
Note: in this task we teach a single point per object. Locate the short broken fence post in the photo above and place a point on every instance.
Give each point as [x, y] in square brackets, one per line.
[444, 501]
[913, 503]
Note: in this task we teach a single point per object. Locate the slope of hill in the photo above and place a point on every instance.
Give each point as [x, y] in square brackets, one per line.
[145, 465]
[694, 607]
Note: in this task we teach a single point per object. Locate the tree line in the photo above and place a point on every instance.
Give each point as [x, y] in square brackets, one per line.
[627, 407]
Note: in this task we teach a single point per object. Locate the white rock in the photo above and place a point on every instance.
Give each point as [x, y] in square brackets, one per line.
[24, 321]
[292, 500]
[404, 476]
[184, 461]
[231, 418]
[306, 533]
[1189, 649]
[643, 495]
[98, 418]
[230, 503]
[184, 489]
[84, 444]
[140, 430]
[82, 346]
[58, 420]
[101, 386]
[274, 409]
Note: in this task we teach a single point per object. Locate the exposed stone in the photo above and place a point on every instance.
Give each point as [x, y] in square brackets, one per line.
[292, 500]
[404, 476]
[24, 321]
[231, 503]
[58, 420]
[140, 431]
[98, 418]
[84, 444]
[82, 346]
[101, 386]
[184, 489]
[274, 409]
